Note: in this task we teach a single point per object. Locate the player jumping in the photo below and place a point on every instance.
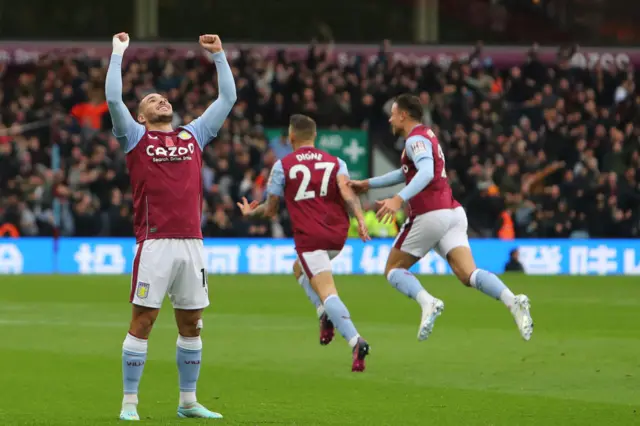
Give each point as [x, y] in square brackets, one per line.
[165, 171]
[315, 188]
[436, 220]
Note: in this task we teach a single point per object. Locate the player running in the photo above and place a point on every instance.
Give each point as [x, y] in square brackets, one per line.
[436, 220]
[315, 187]
[165, 170]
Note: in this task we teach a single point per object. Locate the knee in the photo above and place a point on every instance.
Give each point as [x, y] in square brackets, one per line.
[326, 291]
[465, 280]
[463, 275]
[141, 325]
[462, 264]
[390, 267]
[297, 269]
[399, 260]
[393, 267]
[323, 285]
[190, 325]
[387, 271]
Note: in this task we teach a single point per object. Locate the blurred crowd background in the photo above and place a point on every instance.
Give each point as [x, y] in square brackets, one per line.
[553, 150]
[532, 151]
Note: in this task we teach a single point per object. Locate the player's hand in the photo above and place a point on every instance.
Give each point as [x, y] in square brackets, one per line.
[388, 208]
[211, 43]
[247, 208]
[120, 43]
[363, 232]
[359, 186]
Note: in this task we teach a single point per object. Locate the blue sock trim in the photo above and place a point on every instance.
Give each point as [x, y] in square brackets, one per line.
[489, 284]
[405, 282]
[340, 317]
[181, 349]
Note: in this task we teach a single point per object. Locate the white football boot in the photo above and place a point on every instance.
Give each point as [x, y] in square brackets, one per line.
[429, 315]
[522, 316]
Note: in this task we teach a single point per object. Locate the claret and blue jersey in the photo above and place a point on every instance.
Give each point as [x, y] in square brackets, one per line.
[307, 179]
[165, 167]
[423, 171]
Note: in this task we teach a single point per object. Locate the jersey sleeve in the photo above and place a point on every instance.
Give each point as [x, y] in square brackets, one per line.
[126, 130]
[394, 177]
[418, 147]
[343, 169]
[420, 181]
[205, 127]
[275, 185]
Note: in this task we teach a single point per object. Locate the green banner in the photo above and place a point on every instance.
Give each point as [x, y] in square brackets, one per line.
[352, 146]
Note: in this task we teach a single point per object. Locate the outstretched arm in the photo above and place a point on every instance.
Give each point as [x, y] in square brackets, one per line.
[388, 179]
[125, 128]
[206, 127]
[419, 181]
[420, 152]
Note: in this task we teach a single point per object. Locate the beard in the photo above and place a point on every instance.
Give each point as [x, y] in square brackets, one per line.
[161, 118]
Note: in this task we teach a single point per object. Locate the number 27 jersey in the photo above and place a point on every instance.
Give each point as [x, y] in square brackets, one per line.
[308, 180]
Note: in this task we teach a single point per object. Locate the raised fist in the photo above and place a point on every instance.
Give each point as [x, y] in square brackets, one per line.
[211, 42]
[120, 43]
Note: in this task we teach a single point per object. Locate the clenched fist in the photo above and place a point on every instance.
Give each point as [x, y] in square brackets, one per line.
[211, 42]
[120, 43]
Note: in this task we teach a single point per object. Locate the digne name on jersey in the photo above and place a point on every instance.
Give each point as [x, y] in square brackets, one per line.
[309, 156]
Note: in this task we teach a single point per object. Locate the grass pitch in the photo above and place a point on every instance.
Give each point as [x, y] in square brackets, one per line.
[61, 337]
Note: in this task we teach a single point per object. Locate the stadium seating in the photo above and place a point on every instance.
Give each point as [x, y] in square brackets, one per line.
[542, 151]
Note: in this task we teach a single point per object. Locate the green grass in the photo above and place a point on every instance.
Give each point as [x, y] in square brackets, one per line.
[61, 337]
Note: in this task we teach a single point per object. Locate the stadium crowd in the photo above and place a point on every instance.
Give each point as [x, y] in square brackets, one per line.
[532, 151]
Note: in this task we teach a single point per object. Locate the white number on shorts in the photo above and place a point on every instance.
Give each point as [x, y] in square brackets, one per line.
[441, 155]
[302, 193]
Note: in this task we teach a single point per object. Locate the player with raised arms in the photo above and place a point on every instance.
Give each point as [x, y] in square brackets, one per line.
[165, 171]
[315, 187]
[435, 220]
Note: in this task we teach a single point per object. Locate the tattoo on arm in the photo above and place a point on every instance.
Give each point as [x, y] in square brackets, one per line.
[354, 207]
[351, 200]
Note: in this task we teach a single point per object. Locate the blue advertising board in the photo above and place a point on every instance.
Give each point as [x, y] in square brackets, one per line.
[26, 255]
[276, 256]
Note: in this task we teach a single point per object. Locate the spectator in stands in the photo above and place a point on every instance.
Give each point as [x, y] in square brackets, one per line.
[532, 151]
[280, 145]
[514, 265]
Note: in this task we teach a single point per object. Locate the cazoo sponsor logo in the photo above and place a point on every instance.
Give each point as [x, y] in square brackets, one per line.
[161, 154]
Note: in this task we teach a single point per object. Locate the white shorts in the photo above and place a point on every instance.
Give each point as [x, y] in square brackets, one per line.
[442, 230]
[170, 266]
[314, 262]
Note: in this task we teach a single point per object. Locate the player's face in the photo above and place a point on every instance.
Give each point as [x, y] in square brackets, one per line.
[155, 109]
[396, 120]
